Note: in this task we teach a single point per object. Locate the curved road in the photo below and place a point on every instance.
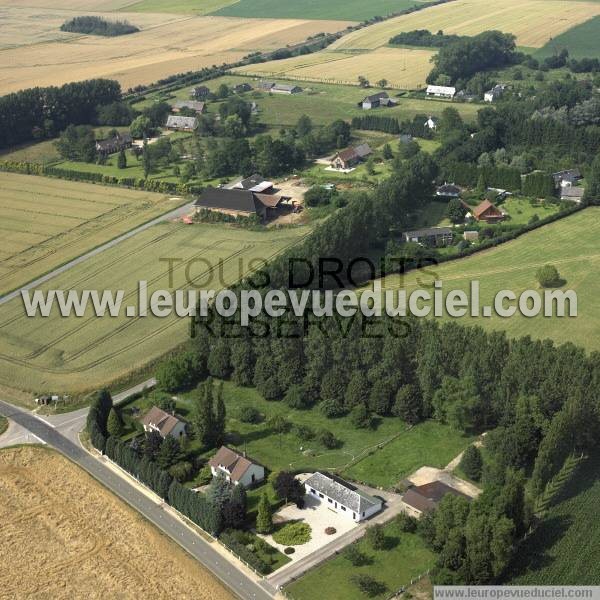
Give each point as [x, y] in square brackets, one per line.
[236, 580]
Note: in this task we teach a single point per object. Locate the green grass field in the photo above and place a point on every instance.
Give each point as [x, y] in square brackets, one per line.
[429, 444]
[351, 10]
[76, 354]
[404, 558]
[432, 443]
[46, 222]
[196, 7]
[581, 41]
[322, 102]
[564, 549]
[570, 244]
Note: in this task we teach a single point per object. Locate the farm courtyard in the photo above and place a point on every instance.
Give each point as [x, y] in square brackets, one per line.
[66, 536]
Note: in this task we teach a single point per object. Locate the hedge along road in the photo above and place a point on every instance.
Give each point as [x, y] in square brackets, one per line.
[237, 581]
[174, 214]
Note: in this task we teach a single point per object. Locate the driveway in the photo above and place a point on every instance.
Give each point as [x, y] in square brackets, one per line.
[319, 516]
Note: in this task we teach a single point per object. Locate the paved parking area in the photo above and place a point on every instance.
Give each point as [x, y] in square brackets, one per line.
[319, 516]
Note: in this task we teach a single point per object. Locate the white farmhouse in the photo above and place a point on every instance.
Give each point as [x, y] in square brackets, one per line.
[158, 420]
[440, 91]
[342, 497]
[235, 467]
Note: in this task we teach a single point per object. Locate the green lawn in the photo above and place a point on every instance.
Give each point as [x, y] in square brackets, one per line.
[428, 444]
[571, 244]
[405, 557]
[564, 549]
[521, 210]
[350, 10]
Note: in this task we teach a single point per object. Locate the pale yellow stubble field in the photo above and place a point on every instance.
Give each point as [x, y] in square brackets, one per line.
[402, 67]
[534, 22]
[33, 52]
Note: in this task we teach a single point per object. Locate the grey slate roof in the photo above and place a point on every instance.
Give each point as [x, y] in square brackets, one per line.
[430, 231]
[284, 87]
[193, 104]
[376, 97]
[342, 492]
[363, 150]
[182, 122]
[224, 199]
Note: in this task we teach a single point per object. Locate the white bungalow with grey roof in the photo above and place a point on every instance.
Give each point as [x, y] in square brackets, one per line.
[342, 497]
[181, 123]
[440, 91]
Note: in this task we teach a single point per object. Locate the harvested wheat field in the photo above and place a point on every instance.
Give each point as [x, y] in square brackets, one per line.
[65, 536]
[534, 22]
[33, 52]
[402, 67]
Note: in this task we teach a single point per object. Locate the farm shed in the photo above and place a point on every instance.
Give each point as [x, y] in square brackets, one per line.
[431, 236]
[238, 203]
[425, 498]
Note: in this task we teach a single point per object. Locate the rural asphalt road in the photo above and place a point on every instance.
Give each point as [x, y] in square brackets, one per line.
[174, 214]
[200, 549]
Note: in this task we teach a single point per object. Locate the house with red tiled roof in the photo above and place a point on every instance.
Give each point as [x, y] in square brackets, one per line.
[236, 467]
[487, 212]
[164, 423]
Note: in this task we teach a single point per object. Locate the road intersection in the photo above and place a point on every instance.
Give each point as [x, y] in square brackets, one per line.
[61, 432]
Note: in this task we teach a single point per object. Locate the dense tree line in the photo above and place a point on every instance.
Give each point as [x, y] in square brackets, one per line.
[469, 55]
[43, 112]
[98, 26]
[471, 175]
[150, 185]
[424, 37]
[377, 123]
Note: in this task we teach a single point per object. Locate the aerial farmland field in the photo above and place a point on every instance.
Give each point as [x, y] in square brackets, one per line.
[581, 41]
[88, 543]
[512, 266]
[402, 67]
[564, 549]
[47, 222]
[80, 353]
[37, 53]
[534, 22]
[354, 10]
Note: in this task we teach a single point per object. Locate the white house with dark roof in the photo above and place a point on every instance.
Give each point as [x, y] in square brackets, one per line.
[440, 91]
[342, 497]
[235, 467]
